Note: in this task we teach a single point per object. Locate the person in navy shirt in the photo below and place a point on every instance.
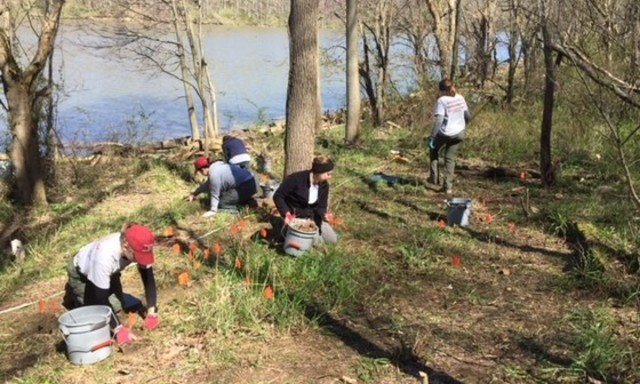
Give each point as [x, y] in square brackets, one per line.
[235, 152]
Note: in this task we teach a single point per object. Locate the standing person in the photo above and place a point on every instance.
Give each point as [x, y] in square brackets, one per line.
[94, 275]
[228, 185]
[451, 115]
[305, 194]
[235, 152]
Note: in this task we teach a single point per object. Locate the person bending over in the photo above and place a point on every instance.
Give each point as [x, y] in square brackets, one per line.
[94, 275]
[229, 185]
[235, 152]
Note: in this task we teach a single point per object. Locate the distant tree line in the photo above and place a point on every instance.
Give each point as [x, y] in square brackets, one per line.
[258, 12]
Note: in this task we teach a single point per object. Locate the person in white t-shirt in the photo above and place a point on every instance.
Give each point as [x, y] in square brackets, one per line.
[451, 116]
[94, 275]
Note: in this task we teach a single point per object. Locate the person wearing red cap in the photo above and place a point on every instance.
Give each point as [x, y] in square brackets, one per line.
[94, 275]
[229, 185]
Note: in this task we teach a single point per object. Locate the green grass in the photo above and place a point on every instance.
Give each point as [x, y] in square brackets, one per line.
[392, 247]
[597, 351]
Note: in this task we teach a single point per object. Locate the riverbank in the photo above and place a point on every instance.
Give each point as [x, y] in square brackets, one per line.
[400, 294]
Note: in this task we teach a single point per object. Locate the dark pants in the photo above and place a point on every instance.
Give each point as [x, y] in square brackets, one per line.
[450, 144]
[240, 195]
[80, 291]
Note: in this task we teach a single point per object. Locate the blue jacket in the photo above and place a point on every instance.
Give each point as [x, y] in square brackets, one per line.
[233, 147]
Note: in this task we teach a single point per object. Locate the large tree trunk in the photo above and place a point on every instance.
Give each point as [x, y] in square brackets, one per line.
[353, 77]
[302, 91]
[24, 100]
[24, 152]
[546, 165]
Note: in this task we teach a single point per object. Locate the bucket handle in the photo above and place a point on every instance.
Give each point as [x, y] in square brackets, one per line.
[294, 246]
[104, 344]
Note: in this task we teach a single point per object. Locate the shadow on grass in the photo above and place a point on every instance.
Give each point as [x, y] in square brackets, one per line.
[487, 238]
[433, 216]
[41, 327]
[536, 350]
[404, 359]
[363, 205]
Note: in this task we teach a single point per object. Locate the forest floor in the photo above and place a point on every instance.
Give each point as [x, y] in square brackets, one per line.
[400, 295]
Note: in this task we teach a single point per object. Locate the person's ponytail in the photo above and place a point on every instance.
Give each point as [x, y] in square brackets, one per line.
[446, 86]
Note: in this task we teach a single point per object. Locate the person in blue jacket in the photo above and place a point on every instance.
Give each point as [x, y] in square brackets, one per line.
[235, 152]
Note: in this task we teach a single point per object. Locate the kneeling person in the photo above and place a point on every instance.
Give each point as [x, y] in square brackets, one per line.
[229, 185]
[94, 274]
[305, 194]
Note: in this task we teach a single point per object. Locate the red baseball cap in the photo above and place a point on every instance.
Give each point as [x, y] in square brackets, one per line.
[201, 162]
[141, 241]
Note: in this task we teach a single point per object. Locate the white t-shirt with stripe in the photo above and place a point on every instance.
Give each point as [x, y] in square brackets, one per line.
[453, 109]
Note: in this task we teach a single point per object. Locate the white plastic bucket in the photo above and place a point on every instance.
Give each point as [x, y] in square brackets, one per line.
[459, 211]
[296, 242]
[87, 333]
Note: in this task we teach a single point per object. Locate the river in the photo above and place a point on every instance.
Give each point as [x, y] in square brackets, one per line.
[109, 98]
[106, 98]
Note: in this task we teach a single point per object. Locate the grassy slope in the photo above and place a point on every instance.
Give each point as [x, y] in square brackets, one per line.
[382, 305]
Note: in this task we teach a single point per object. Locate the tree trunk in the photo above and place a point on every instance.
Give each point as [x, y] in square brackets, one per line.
[353, 78]
[366, 73]
[453, 36]
[24, 151]
[546, 165]
[200, 73]
[445, 35]
[24, 101]
[302, 90]
[184, 69]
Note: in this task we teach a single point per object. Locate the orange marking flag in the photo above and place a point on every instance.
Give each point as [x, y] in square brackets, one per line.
[456, 261]
[169, 232]
[54, 306]
[42, 306]
[441, 224]
[131, 320]
[488, 218]
[268, 293]
[217, 249]
[184, 279]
